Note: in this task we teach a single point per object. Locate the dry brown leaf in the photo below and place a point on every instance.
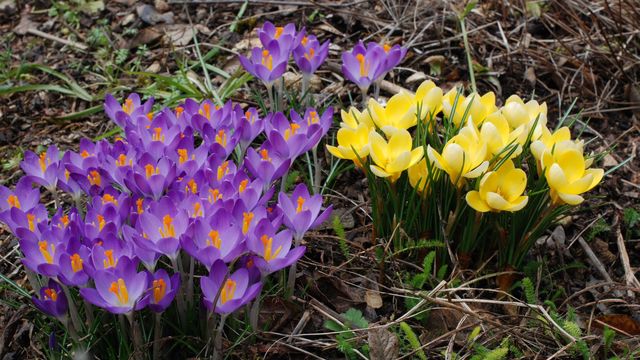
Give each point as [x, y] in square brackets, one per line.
[373, 299]
[619, 322]
[383, 344]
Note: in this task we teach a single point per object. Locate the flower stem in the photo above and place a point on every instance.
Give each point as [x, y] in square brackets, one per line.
[73, 310]
[190, 282]
[291, 282]
[305, 89]
[317, 173]
[179, 293]
[272, 100]
[136, 336]
[217, 340]
[157, 334]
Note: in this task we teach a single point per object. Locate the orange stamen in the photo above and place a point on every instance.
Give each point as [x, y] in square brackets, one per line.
[13, 201]
[47, 250]
[76, 262]
[109, 262]
[119, 289]
[267, 59]
[227, 291]
[159, 290]
[246, 221]
[300, 203]
[94, 178]
[267, 243]
[50, 294]
[214, 239]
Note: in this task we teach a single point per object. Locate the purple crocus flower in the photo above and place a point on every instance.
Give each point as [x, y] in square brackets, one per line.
[224, 293]
[273, 249]
[286, 36]
[151, 178]
[120, 290]
[312, 118]
[107, 255]
[249, 127]
[162, 290]
[289, 139]
[40, 253]
[266, 164]
[392, 56]
[161, 228]
[217, 238]
[72, 263]
[301, 211]
[310, 54]
[267, 63]
[363, 65]
[132, 108]
[43, 168]
[25, 196]
[52, 300]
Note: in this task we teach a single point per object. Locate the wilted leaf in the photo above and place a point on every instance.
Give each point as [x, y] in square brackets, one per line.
[373, 299]
[383, 344]
[620, 322]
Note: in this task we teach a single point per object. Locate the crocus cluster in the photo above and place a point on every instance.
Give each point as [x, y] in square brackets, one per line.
[485, 133]
[165, 197]
[493, 157]
[269, 61]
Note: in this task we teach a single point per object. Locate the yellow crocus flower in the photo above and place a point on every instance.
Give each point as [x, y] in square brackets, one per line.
[399, 113]
[463, 156]
[568, 174]
[429, 99]
[419, 176]
[391, 158]
[479, 106]
[518, 113]
[353, 118]
[496, 134]
[500, 190]
[350, 139]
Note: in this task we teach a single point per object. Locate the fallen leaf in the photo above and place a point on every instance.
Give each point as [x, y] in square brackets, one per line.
[383, 344]
[619, 322]
[179, 34]
[530, 75]
[151, 16]
[373, 299]
[415, 77]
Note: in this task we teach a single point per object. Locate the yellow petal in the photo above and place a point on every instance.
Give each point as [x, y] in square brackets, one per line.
[513, 184]
[399, 163]
[454, 159]
[518, 204]
[497, 202]
[378, 171]
[556, 178]
[400, 142]
[379, 149]
[597, 177]
[479, 170]
[571, 199]
[474, 200]
[435, 158]
[416, 155]
[572, 163]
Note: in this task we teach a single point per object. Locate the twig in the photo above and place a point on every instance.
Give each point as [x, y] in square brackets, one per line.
[594, 259]
[629, 276]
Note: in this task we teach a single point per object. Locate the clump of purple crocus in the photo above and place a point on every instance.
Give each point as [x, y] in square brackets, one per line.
[167, 203]
[269, 61]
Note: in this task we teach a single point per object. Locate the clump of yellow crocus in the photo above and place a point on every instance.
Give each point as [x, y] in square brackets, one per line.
[391, 158]
[399, 112]
[479, 106]
[500, 190]
[464, 156]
